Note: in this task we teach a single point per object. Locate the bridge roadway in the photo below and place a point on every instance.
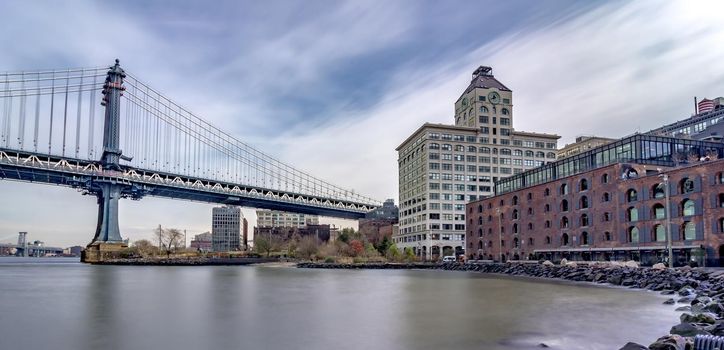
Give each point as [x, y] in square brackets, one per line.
[81, 174]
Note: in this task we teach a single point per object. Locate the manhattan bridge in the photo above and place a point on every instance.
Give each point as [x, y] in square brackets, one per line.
[106, 133]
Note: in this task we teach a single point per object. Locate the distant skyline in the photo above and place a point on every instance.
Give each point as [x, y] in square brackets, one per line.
[333, 87]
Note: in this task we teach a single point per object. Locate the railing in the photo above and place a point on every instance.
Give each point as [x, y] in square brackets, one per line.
[708, 342]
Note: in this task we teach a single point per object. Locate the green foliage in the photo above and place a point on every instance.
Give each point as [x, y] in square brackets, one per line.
[383, 245]
[409, 255]
[329, 260]
[392, 253]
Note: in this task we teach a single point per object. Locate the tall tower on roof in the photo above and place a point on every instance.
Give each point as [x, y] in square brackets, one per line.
[484, 103]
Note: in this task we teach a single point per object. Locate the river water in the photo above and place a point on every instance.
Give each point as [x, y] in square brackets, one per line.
[60, 303]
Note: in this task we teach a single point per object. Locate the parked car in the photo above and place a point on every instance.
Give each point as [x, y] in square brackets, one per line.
[448, 258]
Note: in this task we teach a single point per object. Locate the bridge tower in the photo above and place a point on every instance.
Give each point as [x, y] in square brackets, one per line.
[22, 246]
[107, 241]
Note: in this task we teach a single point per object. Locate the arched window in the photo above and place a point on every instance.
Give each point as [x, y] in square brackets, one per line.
[490, 218]
[721, 226]
[516, 243]
[564, 239]
[632, 195]
[480, 244]
[607, 236]
[515, 200]
[564, 189]
[687, 207]
[659, 211]
[490, 231]
[689, 230]
[548, 239]
[502, 203]
[515, 228]
[583, 185]
[584, 238]
[548, 224]
[530, 226]
[606, 216]
[546, 192]
[547, 208]
[505, 111]
[721, 200]
[480, 220]
[530, 196]
[657, 191]
[530, 211]
[529, 153]
[720, 178]
[483, 109]
[606, 197]
[502, 243]
[686, 185]
[490, 205]
[490, 244]
[633, 234]
[564, 222]
[633, 214]
[604, 178]
[480, 232]
[584, 220]
[659, 233]
[480, 208]
[551, 155]
[564, 205]
[584, 202]
[515, 214]
[530, 241]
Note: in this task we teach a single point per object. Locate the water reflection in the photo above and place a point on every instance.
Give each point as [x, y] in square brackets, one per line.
[108, 307]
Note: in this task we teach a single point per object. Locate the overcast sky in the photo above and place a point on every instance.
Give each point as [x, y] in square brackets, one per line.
[333, 87]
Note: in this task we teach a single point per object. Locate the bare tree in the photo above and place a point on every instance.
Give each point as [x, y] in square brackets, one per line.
[169, 240]
[144, 248]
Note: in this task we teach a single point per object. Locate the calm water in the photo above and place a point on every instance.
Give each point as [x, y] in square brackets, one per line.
[57, 303]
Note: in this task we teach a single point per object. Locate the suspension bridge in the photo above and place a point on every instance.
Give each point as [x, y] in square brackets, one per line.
[106, 133]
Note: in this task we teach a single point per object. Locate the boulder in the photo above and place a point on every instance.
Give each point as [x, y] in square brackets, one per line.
[704, 317]
[631, 263]
[633, 346]
[683, 308]
[564, 262]
[670, 302]
[659, 266]
[615, 279]
[548, 263]
[572, 264]
[687, 330]
[669, 342]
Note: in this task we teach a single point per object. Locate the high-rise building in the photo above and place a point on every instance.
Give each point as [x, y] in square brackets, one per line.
[442, 167]
[275, 218]
[582, 144]
[226, 228]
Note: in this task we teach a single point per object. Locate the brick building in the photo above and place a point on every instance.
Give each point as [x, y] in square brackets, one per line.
[608, 204]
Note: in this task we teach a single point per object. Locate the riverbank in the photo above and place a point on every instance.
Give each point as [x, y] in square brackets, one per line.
[187, 261]
[699, 292]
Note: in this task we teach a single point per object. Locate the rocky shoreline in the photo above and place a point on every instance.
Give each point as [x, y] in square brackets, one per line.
[700, 292]
[194, 261]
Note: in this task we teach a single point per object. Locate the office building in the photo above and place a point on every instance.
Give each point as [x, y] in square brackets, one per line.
[275, 218]
[226, 229]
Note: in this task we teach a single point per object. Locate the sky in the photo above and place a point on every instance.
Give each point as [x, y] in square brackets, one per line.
[333, 87]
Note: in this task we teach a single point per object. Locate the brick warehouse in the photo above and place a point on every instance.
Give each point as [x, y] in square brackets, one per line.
[613, 209]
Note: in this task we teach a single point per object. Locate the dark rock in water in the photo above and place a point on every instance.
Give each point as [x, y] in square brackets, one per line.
[633, 346]
[683, 308]
[685, 291]
[627, 282]
[669, 342]
[687, 330]
[670, 302]
[543, 345]
[685, 300]
[698, 318]
[615, 279]
[668, 292]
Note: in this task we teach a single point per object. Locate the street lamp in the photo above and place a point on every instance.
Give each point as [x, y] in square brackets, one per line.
[500, 233]
[669, 240]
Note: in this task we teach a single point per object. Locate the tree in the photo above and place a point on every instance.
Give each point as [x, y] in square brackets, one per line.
[356, 247]
[263, 244]
[144, 248]
[169, 240]
[409, 255]
[392, 254]
[308, 246]
[383, 245]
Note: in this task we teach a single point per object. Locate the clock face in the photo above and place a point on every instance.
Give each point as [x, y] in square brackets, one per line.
[494, 97]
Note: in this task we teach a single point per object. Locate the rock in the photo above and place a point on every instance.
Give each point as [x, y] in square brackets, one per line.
[543, 345]
[548, 263]
[659, 266]
[686, 291]
[633, 346]
[564, 262]
[631, 263]
[670, 302]
[701, 300]
[615, 279]
[683, 308]
[572, 264]
[687, 330]
[698, 318]
[685, 300]
[669, 342]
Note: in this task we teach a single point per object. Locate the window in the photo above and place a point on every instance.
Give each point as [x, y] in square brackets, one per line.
[604, 178]
[584, 238]
[686, 185]
[584, 220]
[515, 200]
[515, 214]
[546, 192]
[659, 233]
[584, 202]
[631, 195]
[607, 236]
[530, 226]
[515, 228]
[530, 211]
[606, 217]
[658, 191]
[505, 112]
[483, 119]
[721, 200]
[633, 234]
[689, 230]
[547, 208]
[564, 222]
[687, 207]
[606, 197]
[632, 214]
[529, 153]
[548, 239]
[659, 211]
[547, 224]
[483, 109]
[583, 185]
[564, 205]
[564, 239]
[564, 189]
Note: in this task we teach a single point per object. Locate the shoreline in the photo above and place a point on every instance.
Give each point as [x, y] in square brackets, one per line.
[698, 293]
